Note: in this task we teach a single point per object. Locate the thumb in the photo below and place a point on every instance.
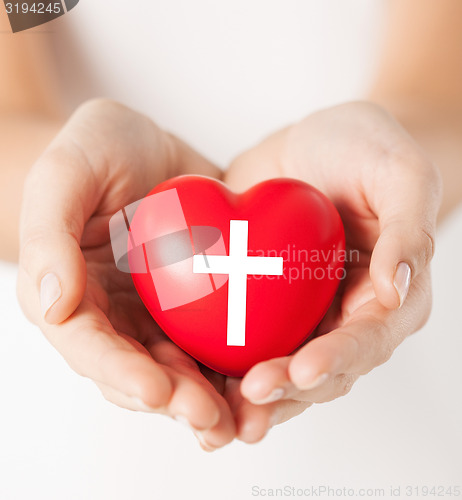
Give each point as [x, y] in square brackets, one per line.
[407, 207]
[59, 196]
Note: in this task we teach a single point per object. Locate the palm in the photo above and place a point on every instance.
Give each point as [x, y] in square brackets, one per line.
[115, 298]
[197, 390]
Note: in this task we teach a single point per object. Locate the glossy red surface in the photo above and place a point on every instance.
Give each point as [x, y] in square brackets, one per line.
[286, 218]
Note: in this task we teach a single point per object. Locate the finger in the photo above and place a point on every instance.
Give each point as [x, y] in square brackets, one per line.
[191, 402]
[220, 434]
[120, 399]
[273, 376]
[223, 432]
[406, 204]
[253, 422]
[59, 196]
[327, 389]
[367, 340]
[195, 400]
[191, 399]
[267, 381]
[203, 410]
[93, 349]
[357, 347]
[248, 430]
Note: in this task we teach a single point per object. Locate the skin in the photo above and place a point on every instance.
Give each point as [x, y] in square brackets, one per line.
[94, 166]
[385, 185]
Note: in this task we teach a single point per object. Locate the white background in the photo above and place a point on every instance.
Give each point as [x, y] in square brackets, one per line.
[222, 75]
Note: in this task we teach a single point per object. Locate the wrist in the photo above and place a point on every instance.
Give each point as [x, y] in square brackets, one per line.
[437, 128]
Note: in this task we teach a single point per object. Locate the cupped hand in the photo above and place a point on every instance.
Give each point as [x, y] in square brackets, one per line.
[104, 158]
[388, 194]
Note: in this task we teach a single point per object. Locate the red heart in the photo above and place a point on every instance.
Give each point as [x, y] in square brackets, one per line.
[181, 227]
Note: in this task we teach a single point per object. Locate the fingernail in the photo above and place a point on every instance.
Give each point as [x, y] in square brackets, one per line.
[402, 280]
[274, 395]
[205, 446]
[274, 419]
[183, 420]
[141, 405]
[50, 292]
[320, 379]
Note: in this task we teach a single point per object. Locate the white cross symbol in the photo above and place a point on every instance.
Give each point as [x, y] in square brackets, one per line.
[237, 265]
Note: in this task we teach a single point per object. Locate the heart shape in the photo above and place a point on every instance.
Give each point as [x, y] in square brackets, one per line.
[234, 279]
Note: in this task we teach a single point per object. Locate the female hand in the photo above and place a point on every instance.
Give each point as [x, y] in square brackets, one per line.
[388, 194]
[106, 157]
